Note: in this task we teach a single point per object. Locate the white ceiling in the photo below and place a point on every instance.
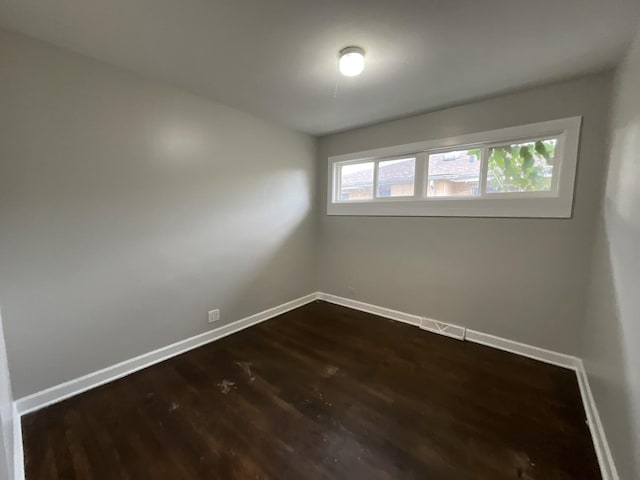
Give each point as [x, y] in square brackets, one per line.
[277, 58]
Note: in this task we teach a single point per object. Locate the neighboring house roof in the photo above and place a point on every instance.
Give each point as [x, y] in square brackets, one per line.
[441, 167]
[444, 166]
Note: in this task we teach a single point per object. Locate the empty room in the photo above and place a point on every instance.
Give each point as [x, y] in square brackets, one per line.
[353, 240]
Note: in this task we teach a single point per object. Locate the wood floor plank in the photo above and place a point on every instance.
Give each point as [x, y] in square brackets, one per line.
[322, 392]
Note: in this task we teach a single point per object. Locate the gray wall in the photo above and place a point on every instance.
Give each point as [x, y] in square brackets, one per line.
[523, 279]
[129, 209]
[611, 349]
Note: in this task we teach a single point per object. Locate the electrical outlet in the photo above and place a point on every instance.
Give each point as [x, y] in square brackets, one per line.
[214, 315]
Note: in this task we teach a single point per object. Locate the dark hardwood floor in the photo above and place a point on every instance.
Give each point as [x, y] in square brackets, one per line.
[322, 392]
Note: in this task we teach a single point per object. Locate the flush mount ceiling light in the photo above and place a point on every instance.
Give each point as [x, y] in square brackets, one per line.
[351, 61]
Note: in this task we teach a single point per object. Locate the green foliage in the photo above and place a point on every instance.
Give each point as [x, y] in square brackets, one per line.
[475, 151]
[521, 168]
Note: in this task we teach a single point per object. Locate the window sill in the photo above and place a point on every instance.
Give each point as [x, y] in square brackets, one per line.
[514, 208]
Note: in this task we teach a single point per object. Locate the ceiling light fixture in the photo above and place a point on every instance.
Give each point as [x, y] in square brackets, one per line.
[351, 61]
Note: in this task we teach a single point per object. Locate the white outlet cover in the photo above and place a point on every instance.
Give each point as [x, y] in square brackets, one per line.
[214, 315]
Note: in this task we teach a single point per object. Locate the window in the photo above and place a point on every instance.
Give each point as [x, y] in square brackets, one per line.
[396, 178]
[454, 174]
[521, 167]
[356, 181]
[524, 171]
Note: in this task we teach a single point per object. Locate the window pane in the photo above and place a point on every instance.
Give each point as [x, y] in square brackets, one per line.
[454, 174]
[396, 177]
[521, 167]
[356, 181]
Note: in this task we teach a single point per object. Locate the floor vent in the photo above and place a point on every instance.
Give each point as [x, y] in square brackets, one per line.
[442, 328]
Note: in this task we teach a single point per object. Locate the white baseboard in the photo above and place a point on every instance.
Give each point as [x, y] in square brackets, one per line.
[607, 465]
[18, 454]
[68, 389]
[374, 309]
[443, 328]
[65, 390]
[522, 349]
[598, 436]
[458, 332]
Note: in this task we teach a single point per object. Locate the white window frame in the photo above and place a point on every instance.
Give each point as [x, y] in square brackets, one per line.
[556, 203]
